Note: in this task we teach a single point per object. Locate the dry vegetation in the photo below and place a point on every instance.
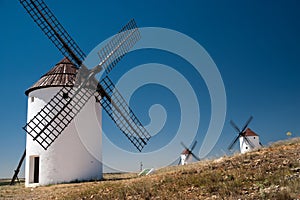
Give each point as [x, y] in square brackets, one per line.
[268, 173]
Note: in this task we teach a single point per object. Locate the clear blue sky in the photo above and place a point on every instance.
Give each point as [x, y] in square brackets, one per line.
[255, 45]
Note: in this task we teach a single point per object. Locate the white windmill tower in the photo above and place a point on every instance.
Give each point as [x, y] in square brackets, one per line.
[186, 154]
[253, 139]
[248, 139]
[64, 107]
[67, 159]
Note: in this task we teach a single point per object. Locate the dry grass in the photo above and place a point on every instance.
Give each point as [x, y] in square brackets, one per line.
[268, 173]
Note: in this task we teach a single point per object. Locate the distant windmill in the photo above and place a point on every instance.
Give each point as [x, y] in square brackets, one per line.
[187, 153]
[249, 140]
[69, 91]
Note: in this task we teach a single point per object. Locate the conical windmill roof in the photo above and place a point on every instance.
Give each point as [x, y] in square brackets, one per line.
[62, 74]
[249, 132]
[185, 151]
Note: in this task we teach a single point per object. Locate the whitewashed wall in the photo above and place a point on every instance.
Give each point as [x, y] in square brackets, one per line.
[76, 154]
[245, 147]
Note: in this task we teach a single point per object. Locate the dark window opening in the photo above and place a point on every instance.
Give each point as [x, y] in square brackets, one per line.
[32, 99]
[65, 95]
[246, 147]
[253, 137]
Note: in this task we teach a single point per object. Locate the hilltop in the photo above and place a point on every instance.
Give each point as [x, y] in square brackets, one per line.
[269, 173]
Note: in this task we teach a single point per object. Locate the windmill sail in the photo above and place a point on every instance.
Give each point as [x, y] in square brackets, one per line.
[119, 111]
[119, 45]
[49, 123]
[49, 24]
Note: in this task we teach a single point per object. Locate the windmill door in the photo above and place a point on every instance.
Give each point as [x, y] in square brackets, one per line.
[34, 169]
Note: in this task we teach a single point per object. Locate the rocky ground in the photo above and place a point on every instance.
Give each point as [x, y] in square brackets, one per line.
[268, 173]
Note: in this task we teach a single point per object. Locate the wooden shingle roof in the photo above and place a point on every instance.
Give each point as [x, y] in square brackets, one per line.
[185, 152]
[249, 132]
[62, 74]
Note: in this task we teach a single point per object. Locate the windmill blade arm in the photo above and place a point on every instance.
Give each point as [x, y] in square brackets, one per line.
[188, 156]
[49, 24]
[235, 126]
[246, 124]
[118, 46]
[57, 114]
[119, 111]
[196, 157]
[179, 161]
[233, 142]
[194, 145]
[183, 145]
[249, 142]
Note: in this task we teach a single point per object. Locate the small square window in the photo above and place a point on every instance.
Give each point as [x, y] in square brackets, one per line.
[65, 95]
[246, 147]
[253, 137]
[32, 99]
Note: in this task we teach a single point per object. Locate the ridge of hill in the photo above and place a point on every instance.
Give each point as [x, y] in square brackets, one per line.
[268, 173]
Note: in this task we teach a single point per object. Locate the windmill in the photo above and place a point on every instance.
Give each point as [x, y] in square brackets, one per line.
[75, 90]
[249, 140]
[186, 153]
